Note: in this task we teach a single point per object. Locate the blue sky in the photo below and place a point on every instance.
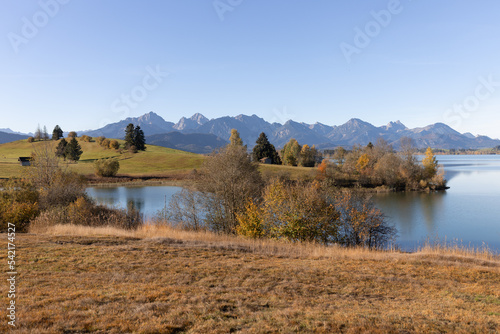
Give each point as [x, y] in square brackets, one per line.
[83, 64]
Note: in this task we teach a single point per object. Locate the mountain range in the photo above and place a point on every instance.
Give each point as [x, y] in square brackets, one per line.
[354, 131]
[201, 135]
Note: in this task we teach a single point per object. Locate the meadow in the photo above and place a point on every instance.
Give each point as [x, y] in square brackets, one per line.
[155, 161]
[76, 279]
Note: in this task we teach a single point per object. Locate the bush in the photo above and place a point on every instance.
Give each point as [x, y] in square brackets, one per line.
[72, 134]
[100, 139]
[106, 167]
[84, 212]
[31, 139]
[114, 145]
[105, 143]
[293, 212]
[18, 204]
[86, 138]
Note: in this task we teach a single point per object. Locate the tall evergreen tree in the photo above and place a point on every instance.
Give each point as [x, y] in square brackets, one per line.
[61, 148]
[139, 139]
[73, 150]
[57, 133]
[264, 149]
[129, 136]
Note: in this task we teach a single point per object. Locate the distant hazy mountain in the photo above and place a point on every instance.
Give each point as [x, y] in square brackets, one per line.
[9, 137]
[193, 122]
[191, 142]
[353, 132]
[150, 123]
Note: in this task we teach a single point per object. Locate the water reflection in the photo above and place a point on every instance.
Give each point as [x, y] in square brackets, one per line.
[148, 200]
[467, 212]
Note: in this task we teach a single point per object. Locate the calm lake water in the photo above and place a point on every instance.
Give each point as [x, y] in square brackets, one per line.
[468, 213]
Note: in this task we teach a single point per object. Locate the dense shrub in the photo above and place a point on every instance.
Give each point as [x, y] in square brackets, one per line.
[114, 145]
[86, 138]
[100, 139]
[18, 204]
[106, 167]
[84, 212]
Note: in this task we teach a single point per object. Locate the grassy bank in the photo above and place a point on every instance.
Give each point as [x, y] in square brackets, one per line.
[159, 280]
[157, 164]
[156, 161]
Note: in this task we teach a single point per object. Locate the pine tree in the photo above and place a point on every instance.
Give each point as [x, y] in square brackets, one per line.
[57, 133]
[73, 150]
[61, 148]
[264, 149]
[139, 139]
[129, 136]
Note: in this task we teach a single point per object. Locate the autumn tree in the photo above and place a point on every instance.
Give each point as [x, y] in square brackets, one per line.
[234, 139]
[290, 153]
[309, 156]
[72, 134]
[228, 181]
[264, 149]
[38, 133]
[430, 164]
[290, 211]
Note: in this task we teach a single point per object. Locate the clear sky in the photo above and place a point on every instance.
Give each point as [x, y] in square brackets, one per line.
[84, 63]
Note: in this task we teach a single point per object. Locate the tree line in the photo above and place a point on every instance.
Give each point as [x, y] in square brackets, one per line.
[231, 196]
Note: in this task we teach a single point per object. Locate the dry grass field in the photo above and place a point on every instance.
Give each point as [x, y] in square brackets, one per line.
[159, 280]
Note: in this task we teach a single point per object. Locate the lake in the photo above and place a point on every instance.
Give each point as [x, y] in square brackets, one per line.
[468, 213]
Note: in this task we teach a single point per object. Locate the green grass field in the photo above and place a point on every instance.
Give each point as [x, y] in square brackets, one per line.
[155, 161]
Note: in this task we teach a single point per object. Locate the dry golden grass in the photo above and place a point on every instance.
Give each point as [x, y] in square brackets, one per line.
[160, 280]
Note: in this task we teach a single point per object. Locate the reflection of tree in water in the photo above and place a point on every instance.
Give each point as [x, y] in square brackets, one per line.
[135, 207]
[429, 205]
[406, 210]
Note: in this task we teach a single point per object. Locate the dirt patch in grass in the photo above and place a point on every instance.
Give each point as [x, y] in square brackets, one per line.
[166, 284]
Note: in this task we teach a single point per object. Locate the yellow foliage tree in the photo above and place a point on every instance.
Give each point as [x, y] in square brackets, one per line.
[430, 164]
[362, 163]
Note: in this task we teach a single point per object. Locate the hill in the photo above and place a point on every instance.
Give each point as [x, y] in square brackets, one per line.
[6, 137]
[190, 142]
[159, 280]
[353, 132]
[156, 160]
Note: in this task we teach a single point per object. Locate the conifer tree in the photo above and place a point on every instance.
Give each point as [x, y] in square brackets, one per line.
[57, 133]
[129, 136]
[61, 148]
[73, 150]
[139, 139]
[264, 149]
